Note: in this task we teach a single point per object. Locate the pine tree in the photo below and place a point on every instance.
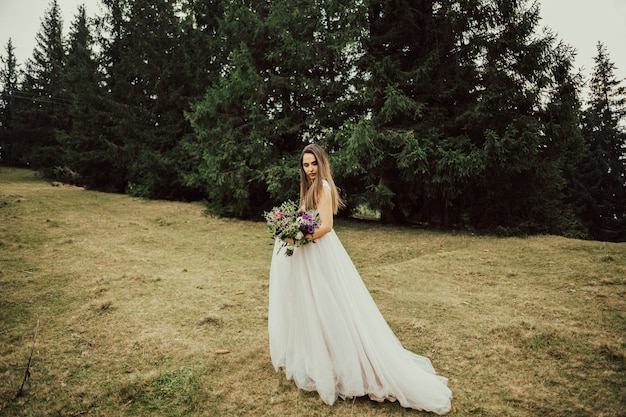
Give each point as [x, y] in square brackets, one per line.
[284, 83]
[225, 152]
[146, 74]
[561, 121]
[201, 44]
[453, 116]
[203, 56]
[86, 153]
[9, 88]
[415, 77]
[598, 185]
[43, 107]
[528, 111]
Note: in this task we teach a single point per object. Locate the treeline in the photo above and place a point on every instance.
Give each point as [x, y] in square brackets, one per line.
[453, 113]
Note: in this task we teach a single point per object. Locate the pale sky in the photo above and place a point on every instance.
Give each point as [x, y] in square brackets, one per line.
[578, 23]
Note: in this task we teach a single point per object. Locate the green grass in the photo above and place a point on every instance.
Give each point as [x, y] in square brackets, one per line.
[134, 298]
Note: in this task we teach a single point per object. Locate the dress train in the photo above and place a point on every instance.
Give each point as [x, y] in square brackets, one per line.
[327, 334]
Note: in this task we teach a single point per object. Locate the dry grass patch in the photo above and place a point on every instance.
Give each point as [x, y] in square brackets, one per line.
[136, 299]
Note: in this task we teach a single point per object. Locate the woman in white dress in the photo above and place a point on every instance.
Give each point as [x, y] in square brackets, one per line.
[325, 331]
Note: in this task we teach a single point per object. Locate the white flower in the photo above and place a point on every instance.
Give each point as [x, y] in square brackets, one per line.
[299, 236]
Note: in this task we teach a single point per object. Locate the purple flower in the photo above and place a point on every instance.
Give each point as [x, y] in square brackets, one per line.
[288, 221]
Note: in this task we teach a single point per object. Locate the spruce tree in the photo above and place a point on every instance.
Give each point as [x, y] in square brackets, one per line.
[561, 120]
[9, 153]
[284, 83]
[225, 150]
[526, 141]
[146, 75]
[86, 150]
[453, 118]
[400, 152]
[598, 185]
[43, 108]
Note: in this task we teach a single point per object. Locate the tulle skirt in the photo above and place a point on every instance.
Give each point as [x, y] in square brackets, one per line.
[327, 334]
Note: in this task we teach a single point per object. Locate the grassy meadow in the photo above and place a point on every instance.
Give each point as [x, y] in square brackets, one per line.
[126, 307]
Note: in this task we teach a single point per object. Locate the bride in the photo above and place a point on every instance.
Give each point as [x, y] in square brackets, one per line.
[325, 331]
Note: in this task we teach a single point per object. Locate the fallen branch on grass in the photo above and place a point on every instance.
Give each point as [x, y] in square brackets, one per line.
[20, 392]
[8, 330]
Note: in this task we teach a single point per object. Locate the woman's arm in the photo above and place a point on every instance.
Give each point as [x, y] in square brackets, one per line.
[325, 210]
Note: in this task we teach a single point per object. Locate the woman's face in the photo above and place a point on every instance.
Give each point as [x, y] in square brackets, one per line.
[309, 164]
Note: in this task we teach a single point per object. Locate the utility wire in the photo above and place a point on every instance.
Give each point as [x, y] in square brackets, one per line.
[35, 97]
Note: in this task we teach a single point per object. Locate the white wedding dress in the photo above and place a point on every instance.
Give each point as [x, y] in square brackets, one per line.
[327, 334]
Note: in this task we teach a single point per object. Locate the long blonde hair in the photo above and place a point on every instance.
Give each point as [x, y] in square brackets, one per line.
[310, 190]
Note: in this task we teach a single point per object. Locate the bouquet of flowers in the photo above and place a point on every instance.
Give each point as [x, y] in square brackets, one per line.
[287, 221]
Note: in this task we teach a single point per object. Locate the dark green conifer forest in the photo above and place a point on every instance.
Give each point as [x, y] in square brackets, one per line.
[439, 113]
